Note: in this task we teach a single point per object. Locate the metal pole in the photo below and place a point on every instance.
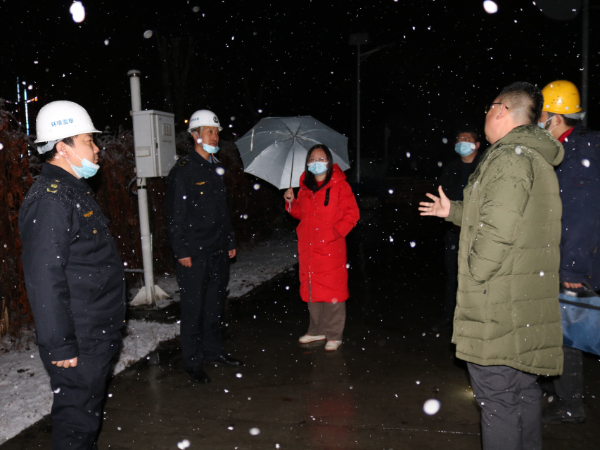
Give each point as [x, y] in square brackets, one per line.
[26, 111]
[358, 117]
[585, 58]
[136, 105]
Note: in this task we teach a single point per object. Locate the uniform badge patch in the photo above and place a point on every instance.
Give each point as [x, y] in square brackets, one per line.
[88, 214]
[201, 183]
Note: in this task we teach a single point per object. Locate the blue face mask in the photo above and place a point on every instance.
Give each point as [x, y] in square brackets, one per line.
[464, 148]
[87, 170]
[317, 168]
[209, 148]
[543, 124]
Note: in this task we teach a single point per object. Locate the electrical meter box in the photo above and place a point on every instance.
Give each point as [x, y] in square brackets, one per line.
[154, 138]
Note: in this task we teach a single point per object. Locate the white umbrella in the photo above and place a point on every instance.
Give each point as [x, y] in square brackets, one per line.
[275, 149]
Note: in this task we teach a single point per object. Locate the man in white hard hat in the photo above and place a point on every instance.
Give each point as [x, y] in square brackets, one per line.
[202, 238]
[73, 274]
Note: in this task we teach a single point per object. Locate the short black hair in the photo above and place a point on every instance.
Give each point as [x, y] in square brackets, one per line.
[309, 177]
[571, 122]
[524, 101]
[50, 155]
[466, 129]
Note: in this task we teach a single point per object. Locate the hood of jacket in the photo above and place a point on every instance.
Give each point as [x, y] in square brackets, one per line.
[537, 139]
[336, 176]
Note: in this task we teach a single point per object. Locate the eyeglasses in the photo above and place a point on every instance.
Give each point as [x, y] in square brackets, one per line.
[490, 106]
[312, 160]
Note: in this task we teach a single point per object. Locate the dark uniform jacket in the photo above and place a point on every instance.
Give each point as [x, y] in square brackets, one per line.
[197, 215]
[452, 175]
[579, 181]
[73, 274]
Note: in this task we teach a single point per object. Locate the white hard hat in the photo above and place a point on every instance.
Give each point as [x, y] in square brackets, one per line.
[59, 120]
[203, 118]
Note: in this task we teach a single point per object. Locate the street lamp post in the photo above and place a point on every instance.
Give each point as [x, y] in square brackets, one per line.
[358, 39]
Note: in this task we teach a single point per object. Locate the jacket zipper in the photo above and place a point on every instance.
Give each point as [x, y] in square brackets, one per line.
[309, 252]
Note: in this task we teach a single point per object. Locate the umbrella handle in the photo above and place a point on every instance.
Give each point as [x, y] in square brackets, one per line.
[292, 171]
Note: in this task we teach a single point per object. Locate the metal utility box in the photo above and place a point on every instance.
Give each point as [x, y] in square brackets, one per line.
[154, 137]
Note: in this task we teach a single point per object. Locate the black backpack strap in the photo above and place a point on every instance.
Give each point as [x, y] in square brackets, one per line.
[327, 197]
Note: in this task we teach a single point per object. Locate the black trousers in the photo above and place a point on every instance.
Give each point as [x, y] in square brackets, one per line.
[511, 407]
[79, 393]
[451, 240]
[203, 292]
[569, 385]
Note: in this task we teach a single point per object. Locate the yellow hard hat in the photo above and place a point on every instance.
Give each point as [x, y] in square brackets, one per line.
[561, 97]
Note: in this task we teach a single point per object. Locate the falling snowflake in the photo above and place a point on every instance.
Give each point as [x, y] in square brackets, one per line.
[408, 154]
[445, 140]
[254, 431]
[148, 34]
[77, 12]
[256, 186]
[220, 171]
[431, 406]
[196, 8]
[391, 191]
[586, 162]
[183, 444]
[541, 273]
[518, 150]
[412, 244]
[106, 42]
[490, 7]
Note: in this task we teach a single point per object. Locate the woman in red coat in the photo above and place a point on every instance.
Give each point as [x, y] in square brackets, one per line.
[327, 211]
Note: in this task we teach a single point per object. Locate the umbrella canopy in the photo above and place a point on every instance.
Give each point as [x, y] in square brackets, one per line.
[275, 149]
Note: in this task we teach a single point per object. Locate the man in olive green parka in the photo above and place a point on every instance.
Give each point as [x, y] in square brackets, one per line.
[507, 319]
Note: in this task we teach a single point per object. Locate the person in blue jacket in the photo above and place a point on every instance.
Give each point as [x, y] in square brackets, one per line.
[579, 180]
[73, 275]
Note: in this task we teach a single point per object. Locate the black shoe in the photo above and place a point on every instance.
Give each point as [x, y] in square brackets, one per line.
[226, 360]
[198, 376]
[441, 326]
[561, 413]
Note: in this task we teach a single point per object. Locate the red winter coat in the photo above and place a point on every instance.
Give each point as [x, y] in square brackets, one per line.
[324, 224]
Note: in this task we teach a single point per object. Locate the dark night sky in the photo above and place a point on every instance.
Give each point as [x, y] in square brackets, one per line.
[450, 59]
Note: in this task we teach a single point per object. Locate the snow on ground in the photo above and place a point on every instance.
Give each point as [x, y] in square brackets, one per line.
[25, 394]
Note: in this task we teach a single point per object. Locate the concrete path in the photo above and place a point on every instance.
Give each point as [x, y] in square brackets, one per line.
[367, 395]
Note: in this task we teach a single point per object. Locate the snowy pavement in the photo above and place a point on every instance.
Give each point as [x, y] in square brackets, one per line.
[25, 394]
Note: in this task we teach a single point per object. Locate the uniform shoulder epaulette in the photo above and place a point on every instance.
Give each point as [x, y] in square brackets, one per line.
[53, 186]
[183, 161]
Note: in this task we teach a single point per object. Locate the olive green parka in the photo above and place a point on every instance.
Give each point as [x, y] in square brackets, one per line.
[507, 310]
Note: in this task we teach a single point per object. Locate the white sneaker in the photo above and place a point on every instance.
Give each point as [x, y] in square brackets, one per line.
[332, 345]
[307, 339]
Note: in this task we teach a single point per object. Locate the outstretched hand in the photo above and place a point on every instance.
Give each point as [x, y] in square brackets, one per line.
[440, 206]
